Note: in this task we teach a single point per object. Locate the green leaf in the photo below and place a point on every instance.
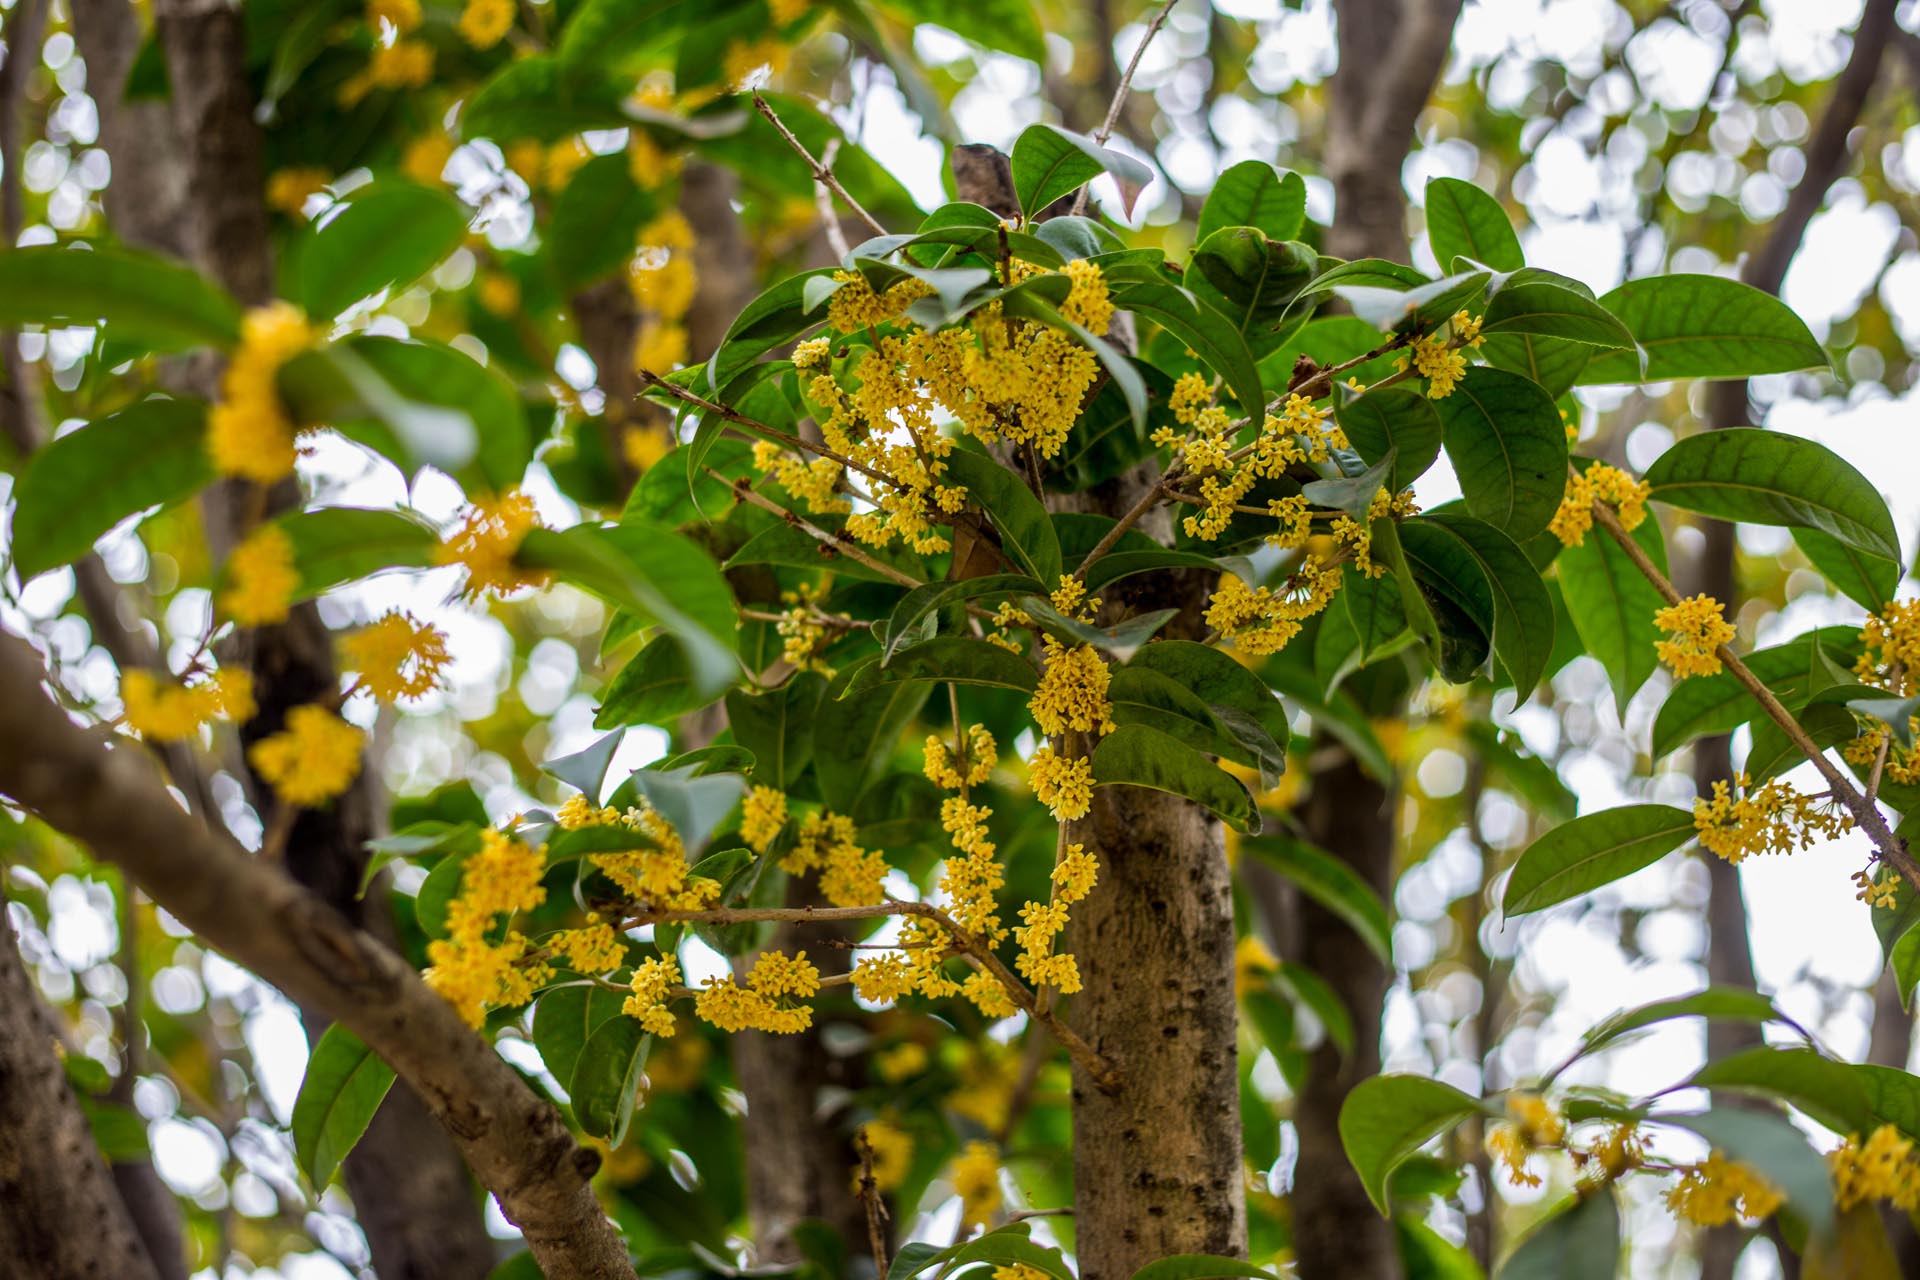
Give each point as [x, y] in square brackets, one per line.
[653, 573]
[1542, 308]
[345, 1084]
[853, 738]
[1869, 580]
[596, 219]
[1578, 857]
[1419, 308]
[1198, 1266]
[1465, 222]
[1142, 696]
[1391, 419]
[960, 659]
[1859, 1249]
[1772, 753]
[1581, 1242]
[1387, 1118]
[150, 454]
[1704, 705]
[1826, 1090]
[1769, 477]
[783, 544]
[1554, 363]
[1254, 194]
[1250, 279]
[1026, 531]
[654, 687]
[777, 726]
[119, 1132]
[144, 300]
[335, 545]
[388, 236]
[1122, 640]
[1240, 699]
[936, 596]
[1352, 494]
[531, 98]
[1376, 615]
[1773, 1146]
[1331, 883]
[565, 1018]
[1734, 1004]
[1509, 448]
[1116, 565]
[1007, 1245]
[1134, 755]
[1006, 25]
[773, 319]
[1050, 162]
[1697, 326]
[1523, 624]
[607, 1077]
[1612, 605]
[1204, 330]
[1893, 1094]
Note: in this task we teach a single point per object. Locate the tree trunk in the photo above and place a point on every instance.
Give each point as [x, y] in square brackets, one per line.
[61, 1217]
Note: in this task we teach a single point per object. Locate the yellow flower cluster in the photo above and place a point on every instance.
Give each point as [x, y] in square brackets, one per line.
[662, 278]
[804, 632]
[1439, 360]
[398, 656]
[592, 948]
[1073, 879]
[1532, 1123]
[485, 23]
[470, 970]
[892, 1149]
[762, 814]
[766, 1002]
[976, 1180]
[261, 578]
[980, 755]
[787, 12]
[401, 15]
[1620, 1149]
[173, 713]
[1890, 649]
[1884, 1167]
[489, 534]
[1600, 483]
[1062, 783]
[315, 758]
[971, 880]
[653, 983]
[248, 432]
[657, 876]
[1072, 694]
[404, 64]
[1696, 628]
[1262, 621]
[288, 190]
[1719, 1191]
[1884, 895]
[425, 158]
[850, 876]
[1772, 818]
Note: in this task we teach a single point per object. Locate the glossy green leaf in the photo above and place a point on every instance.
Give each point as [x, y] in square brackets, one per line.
[777, 726]
[1593, 850]
[389, 235]
[152, 453]
[1333, 884]
[1698, 326]
[1523, 625]
[1465, 222]
[336, 545]
[565, 1018]
[1773, 753]
[1393, 418]
[1612, 605]
[1508, 447]
[1026, 530]
[1580, 1242]
[1116, 565]
[344, 1086]
[653, 573]
[143, 299]
[607, 1076]
[1554, 363]
[1732, 1004]
[1544, 309]
[853, 738]
[1893, 1094]
[1238, 697]
[1143, 696]
[1050, 162]
[960, 659]
[1704, 705]
[1122, 640]
[1254, 194]
[1416, 309]
[1250, 280]
[1770, 477]
[773, 319]
[654, 687]
[1826, 1090]
[935, 596]
[1134, 755]
[1387, 1118]
[1201, 329]
[1867, 579]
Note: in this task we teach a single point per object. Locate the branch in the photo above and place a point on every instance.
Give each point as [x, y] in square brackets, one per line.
[1864, 811]
[754, 425]
[107, 798]
[822, 173]
[846, 547]
[1121, 91]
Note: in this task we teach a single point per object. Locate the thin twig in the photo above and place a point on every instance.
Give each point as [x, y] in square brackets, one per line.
[844, 546]
[1865, 813]
[1121, 90]
[822, 174]
[823, 201]
[649, 378]
[876, 1208]
[1148, 501]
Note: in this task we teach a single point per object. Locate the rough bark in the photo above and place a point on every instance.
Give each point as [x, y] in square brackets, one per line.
[107, 797]
[145, 198]
[1729, 948]
[61, 1217]
[414, 1201]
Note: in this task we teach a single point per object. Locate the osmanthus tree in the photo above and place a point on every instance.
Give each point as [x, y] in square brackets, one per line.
[985, 577]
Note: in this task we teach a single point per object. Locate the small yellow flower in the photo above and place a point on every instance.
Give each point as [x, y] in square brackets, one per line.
[488, 536]
[762, 814]
[976, 1180]
[261, 578]
[315, 758]
[425, 158]
[484, 23]
[174, 713]
[402, 15]
[1072, 693]
[1696, 628]
[1884, 1167]
[892, 1157]
[288, 190]
[1063, 783]
[1770, 818]
[249, 433]
[397, 657]
[1719, 1191]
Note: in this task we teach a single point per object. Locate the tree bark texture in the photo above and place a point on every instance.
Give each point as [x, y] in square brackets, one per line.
[61, 1217]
